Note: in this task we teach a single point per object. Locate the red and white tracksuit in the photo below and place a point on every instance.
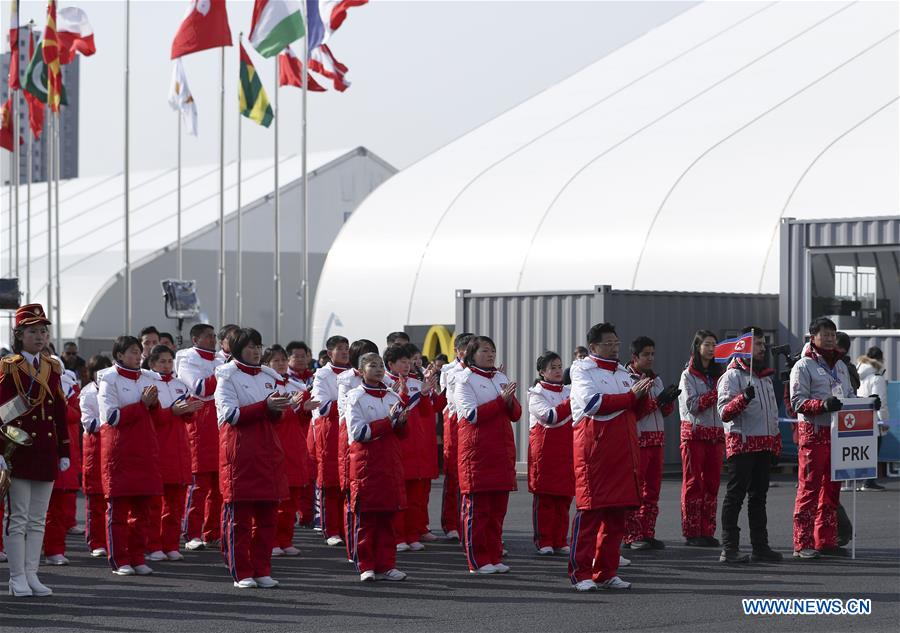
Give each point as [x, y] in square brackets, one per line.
[61, 511]
[196, 368]
[551, 473]
[450, 496]
[91, 473]
[418, 453]
[167, 511]
[306, 505]
[292, 434]
[376, 477]
[326, 423]
[640, 524]
[702, 451]
[251, 467]
[346, 382]
[129, 463]
[607, 459]
[817, 376]
[486, 461]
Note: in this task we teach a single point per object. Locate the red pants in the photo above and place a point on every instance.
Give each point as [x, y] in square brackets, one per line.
[60, 517]
[332, 512]
[596, 539]
[374, 547]
[815, 511]
[701, 464]
[306, 503]
[203, 508]
[450, 503]
[95, 521]
[248, 535]
[550, 520]
[126, 525]
[164, 526]
[640, 524]
[411, 523]
[349, 526]
[481, 518]
[287, 517]
[2, 525]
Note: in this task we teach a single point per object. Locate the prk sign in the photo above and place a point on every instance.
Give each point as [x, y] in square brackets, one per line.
[854, 444]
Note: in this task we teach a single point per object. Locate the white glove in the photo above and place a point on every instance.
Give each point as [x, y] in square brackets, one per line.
[64, 464]
[3, 465]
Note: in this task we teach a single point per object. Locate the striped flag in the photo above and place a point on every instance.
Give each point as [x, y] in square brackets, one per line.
[740, 347]
[252, 97]
[50, 53]
[14, 83]
[324, 17]
[275, 24]
[323, 62]
[290, 71]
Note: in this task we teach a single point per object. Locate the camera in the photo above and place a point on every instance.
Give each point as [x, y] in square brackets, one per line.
[789, 359]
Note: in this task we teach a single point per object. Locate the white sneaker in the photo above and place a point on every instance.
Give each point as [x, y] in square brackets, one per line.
[143, 570]
[484, 569]
[213, 544]
[402, 547]
[124, 570]
[174, 555]
[246, 583]
[98, 553]
[277, 551]
[504, 553]
[266, 582]
[56, 559]
[624, 562]
[291, 551]
[3, 557]
[367, 576]
[334, 540]
[156, 556]
[545, 551]
[76, 529]
[194, 544]
[615, 583]
[391, 574]
[501, 568]
[563, 550]
[416, 546]
[428, 537]
[586, 585]
[453, 534]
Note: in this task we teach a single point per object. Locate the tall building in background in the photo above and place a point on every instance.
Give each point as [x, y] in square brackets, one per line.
[68, 129]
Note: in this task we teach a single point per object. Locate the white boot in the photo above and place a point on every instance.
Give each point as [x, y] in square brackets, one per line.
[37, 587]
[34, 543]
[15, 551]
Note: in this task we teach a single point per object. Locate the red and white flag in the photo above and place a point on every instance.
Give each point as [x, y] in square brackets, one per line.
[740, 347]
[74, 33]
[204, 26]
[6, 126]
[323, 62]
[14, 83]
[290, 72]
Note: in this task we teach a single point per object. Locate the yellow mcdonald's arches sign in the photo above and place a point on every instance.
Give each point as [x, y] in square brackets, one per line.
[438, 340]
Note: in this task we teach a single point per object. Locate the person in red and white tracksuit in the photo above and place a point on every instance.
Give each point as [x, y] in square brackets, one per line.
[409, 525]
[551, 470]
[606, 404]
[249, 405]
[376, 419]
[196, 367]
[640, 525]
[291, 434]
[170, 418]
[129, 456]
[91, 472]
[486, 403]
[450, 495]
[702, 442]
[326, 428]
[62, 509]
[299, 357]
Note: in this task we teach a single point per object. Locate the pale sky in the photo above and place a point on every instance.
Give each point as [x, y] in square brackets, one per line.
[423, 74]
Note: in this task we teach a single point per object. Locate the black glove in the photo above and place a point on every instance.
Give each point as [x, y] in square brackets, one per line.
[749, 393]
[833, 404]
[669, 394]
[876, 403]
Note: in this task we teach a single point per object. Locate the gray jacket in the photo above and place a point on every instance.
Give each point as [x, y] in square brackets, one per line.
[693, 386]
[813, 379]
[760, 415]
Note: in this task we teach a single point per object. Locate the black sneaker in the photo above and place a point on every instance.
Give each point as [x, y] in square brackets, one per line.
[871, 486]
[655, 543]
[641, 544]
[711, 541]
[733, 557]
[696, 541]
[766, 555]
[836, 552]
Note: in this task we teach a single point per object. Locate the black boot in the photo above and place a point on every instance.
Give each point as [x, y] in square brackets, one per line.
[733, 556]
[765, 554]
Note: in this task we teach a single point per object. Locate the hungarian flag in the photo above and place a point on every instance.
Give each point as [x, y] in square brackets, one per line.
[323, 62]
[35, 106]
[741, 347]
[290, 72]
[204, 26]
[36, 79]
[324, 17]
[181, 99]
[14, 83]
[75, 34]
[6, 132]
[275, 24]
[251, 95]
[50, 53]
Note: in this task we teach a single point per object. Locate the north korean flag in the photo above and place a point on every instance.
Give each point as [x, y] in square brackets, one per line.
[855, 422]
[741, 347]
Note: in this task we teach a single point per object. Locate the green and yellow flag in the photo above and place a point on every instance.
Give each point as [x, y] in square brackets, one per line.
[252, 97]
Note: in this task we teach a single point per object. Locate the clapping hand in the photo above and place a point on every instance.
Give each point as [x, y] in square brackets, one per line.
[399, 414]
[508, 391]
[278, 402]
[641, 387]
[150, 396]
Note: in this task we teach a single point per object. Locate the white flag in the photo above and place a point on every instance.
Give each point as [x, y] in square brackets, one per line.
[180, 97]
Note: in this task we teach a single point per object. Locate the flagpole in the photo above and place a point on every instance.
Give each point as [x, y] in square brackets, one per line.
[240, 230]
[128, 313]
[178, 197]
[277, 218]
[304, 203]
[16, 175]
[28, 172]
[56, 170]
[222, 188]
[48, 172]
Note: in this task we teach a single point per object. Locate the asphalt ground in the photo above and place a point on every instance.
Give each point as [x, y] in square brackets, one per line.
[676, 589]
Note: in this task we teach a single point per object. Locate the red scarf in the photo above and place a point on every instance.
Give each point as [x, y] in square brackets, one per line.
[167, 377]
[552, 386]
[338, 369]
[831, 357]
[305, 375]
[131, 374]
[205, 354]
[247, 369]
[604, 363]
[379, 391]
[487, 373]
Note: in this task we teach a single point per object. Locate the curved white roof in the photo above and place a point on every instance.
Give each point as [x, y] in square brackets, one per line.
[666, 165]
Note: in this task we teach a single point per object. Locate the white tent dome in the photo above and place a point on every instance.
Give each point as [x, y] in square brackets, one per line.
[666, 165]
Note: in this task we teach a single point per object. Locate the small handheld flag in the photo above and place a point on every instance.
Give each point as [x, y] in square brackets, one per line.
[741, 347]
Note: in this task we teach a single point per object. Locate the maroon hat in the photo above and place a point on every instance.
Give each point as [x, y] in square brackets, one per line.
[31, 314]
